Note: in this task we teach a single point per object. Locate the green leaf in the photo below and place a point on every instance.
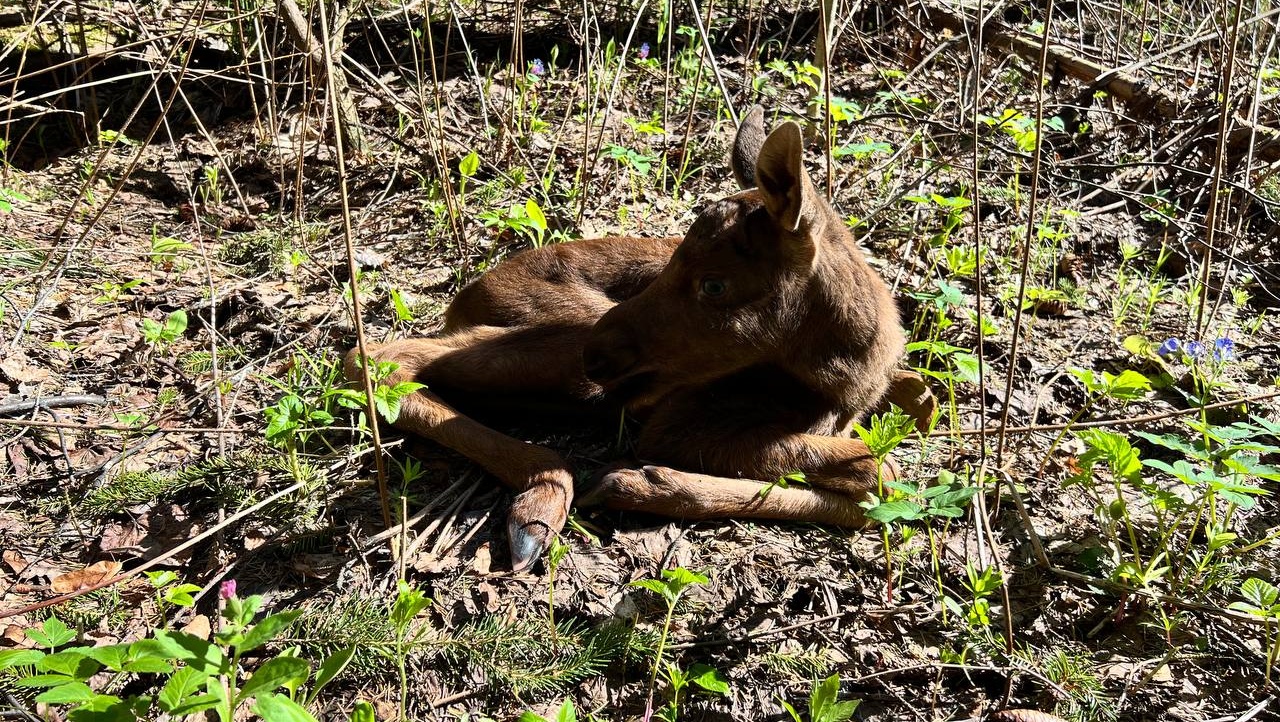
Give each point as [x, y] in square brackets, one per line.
[112, 656]
[196, 652]
[967, 367]
[44, 680]
[566, 713]
[70, 693]
[70, 662]
[162, 578]
[654, 585]
[534, 211]
[181, 595]
[892, 511]
[272, 675]
[709, 679]
[278, 708]
[175, 324]
[179, 689]
[363, 712]
[267, 630]
[193, 705]
[19, 657]
[409, 603]
[469, 164]
[330, 668]
[53, 633]
[109, 708]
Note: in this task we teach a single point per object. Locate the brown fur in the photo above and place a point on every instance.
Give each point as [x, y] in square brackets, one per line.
[747, 349]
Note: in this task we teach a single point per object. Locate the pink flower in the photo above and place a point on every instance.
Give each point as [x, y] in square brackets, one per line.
[228, 589]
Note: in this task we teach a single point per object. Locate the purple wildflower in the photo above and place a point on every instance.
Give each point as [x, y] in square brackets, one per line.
[1224, 349]
[644, 51]
[1169, 347]
[1194, 349]
[227, 589]
[537, 68]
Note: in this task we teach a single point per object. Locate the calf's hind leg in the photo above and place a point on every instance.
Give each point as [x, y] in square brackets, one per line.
[715, 449]
[541, 476]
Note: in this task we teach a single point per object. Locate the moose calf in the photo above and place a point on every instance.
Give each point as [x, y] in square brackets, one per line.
[746, 349]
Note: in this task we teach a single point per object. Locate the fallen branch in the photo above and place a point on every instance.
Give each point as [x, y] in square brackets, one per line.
[1144, 99]
[52, 402]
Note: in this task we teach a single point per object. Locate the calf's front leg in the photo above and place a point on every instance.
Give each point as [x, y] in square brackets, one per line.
[540, 475]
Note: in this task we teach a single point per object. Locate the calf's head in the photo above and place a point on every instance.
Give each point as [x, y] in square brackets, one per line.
[742, 287]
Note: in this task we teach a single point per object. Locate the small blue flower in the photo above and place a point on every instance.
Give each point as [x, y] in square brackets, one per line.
[1169, 347]
[537, 68]
[644, 51]
[1194, 349]
[1224, 349]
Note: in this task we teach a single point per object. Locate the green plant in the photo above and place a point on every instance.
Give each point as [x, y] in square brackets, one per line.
[555, 554]
[670, 587]
[192, 674]
[1192, 499]
[784, 482]
[9, 196]
[1262, 599]
[886, 431]
[168, 593]
[387, 398]
[526, 220]
[700, 676]
[467, 169]
[210, 187]
[159, 334]
[825, 704]
[982, 585]
[112, 291]
[566, 713]
[165, 250]
[408, 604]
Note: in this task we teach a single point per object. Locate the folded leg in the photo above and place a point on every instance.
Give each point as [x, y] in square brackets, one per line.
[717, 447]
[493, 361]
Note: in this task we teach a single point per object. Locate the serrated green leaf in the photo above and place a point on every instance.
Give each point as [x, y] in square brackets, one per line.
[44, 680]
[196, 652]
[70, 693]
[179, 689]
[19, 657]
[73, 663]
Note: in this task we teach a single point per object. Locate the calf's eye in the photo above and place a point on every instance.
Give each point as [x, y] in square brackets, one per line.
[713, 287]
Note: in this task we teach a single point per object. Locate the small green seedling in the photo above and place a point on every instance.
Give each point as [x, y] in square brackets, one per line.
[159, 334]
[825, 704]
[1262, 599]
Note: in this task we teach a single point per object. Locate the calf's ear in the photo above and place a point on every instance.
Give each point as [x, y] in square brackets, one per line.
[746, 147]
[781, 178]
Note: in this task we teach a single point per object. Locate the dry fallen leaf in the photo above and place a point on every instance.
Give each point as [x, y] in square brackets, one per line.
[15, 560]
[15, 634]
[199, 626]
[17, 370]
[482, 562]
[87, 577]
